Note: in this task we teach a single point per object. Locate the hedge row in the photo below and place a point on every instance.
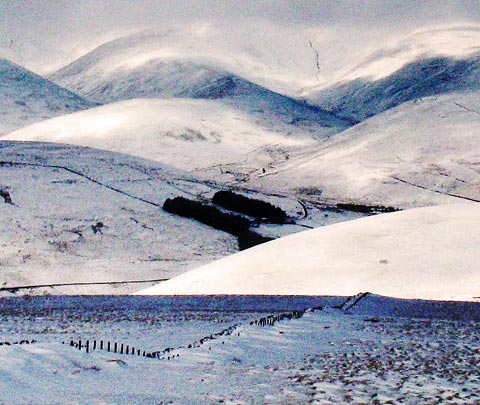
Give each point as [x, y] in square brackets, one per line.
[248, 239]
[208, 215]
[365, 209]
[249, 206]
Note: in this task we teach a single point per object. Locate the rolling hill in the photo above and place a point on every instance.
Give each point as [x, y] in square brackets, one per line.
[363, 98]
[426, 253]
[420, 153]
[206, 136]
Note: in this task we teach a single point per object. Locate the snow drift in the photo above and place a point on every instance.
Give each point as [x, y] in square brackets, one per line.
[426, 253]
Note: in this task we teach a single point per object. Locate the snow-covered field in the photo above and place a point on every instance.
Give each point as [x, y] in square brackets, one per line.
[328, 122]
[408, 353]
[84, 215]
[81, 215]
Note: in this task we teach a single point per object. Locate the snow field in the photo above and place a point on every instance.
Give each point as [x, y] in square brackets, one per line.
[323, 357]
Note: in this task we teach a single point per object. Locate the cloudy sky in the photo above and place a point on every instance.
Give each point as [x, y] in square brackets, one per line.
[63, 25]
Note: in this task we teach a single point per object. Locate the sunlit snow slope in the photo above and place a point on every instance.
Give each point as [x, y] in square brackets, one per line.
[427, 253]
[201, 135]
[26, 98]
[419, 153]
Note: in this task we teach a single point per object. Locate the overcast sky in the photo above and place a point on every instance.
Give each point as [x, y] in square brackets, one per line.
[63, 24]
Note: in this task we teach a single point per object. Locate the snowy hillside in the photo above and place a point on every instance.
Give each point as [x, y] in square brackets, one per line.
[280, 58]
[420, 153]
[26, 98]
[201, 135]
[427, 253]
[363, 98]
[78, 215]
[378, 59]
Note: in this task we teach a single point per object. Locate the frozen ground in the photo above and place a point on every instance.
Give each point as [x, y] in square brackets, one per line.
[379, 351]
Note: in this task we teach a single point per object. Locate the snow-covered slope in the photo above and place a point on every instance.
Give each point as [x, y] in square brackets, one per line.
[419, 153]
[84, 215]
[428, 253]
[385, 56]
[26, 98]
[201, 135]
[363, 98]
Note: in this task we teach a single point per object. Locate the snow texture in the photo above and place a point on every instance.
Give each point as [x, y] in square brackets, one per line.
[324, 357]
[85, 215]
[205, 136]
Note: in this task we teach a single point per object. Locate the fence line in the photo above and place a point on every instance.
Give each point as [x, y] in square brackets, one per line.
[167, 354]
[20, 342]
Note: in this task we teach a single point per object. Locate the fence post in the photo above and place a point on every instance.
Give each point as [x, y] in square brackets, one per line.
[108, 346]
[101, 344]
[94, 345]
[115, 347]
[87, 345]
[79, 345]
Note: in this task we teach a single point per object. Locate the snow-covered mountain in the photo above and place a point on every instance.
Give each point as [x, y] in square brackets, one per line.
[420, 153]
[206, 59]
[382, 57]
[272, 56]
[73, 214]
[363, 98]
[427, 253]
[26, 98]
